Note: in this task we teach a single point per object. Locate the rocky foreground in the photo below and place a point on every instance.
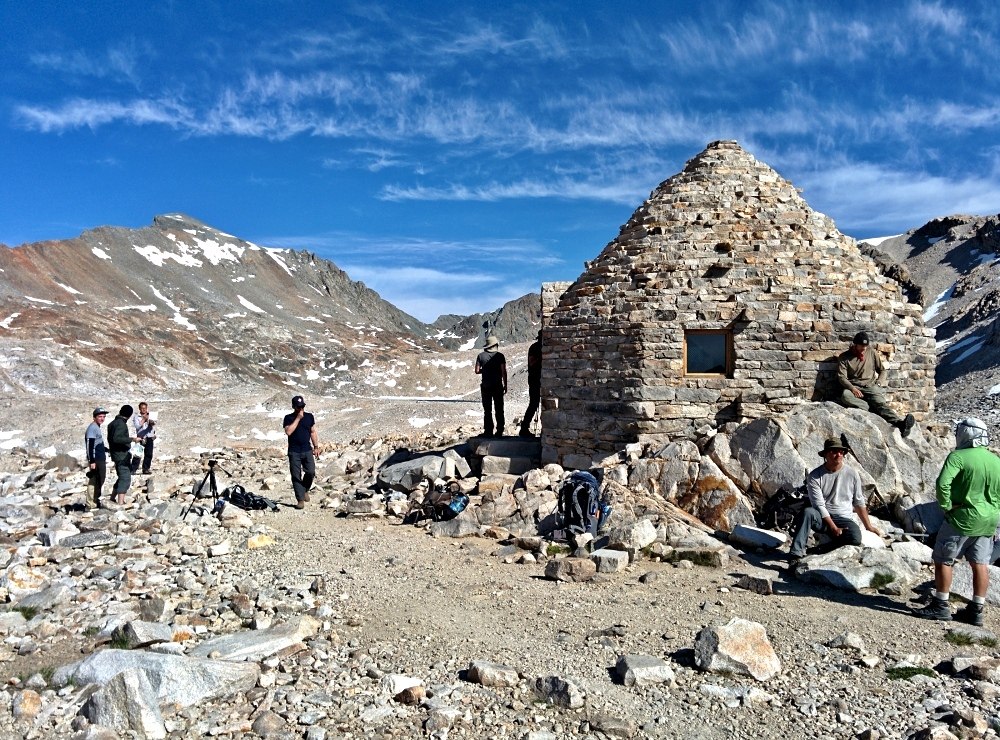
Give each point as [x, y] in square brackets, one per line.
[160, 619]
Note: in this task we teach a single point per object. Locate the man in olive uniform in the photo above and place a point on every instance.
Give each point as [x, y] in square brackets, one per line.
[492, 366]
[861, 372]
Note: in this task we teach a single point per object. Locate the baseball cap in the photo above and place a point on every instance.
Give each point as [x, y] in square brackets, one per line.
[298, 402]
[100, 410]
[861, 338]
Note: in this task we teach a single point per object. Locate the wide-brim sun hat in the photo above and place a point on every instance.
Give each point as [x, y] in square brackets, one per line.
[832, 445]
[492, 341]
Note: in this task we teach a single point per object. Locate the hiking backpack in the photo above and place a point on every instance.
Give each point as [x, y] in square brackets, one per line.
[237, 495]
[580, 508]
[782, 510]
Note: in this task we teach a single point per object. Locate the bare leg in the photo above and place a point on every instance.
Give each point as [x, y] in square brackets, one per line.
[942, 577]
[980, 579]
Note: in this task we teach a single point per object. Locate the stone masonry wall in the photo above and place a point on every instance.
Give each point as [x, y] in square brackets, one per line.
[726, 243]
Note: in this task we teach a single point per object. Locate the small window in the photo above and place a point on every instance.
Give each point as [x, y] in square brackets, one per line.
[708, 352]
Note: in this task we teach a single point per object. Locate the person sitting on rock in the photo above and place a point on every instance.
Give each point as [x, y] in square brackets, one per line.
[836, 503]
[968, 490]
[860, 371]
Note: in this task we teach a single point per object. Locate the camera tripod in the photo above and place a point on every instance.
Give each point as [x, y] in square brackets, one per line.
[213, 489]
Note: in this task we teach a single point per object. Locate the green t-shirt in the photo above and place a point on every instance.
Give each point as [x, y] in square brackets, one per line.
[968, 489]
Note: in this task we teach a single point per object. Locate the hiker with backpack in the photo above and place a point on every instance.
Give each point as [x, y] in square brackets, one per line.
[836, 504]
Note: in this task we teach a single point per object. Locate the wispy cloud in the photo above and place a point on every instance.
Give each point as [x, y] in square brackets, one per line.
[935, 17]
[863, 196]
[409, 252]
[120, 62]
[427, 293]
[623, 191]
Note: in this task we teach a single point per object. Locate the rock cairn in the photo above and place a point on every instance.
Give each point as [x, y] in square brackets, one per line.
[727, 246]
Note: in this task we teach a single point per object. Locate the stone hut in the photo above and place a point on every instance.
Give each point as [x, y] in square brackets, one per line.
[725, 297]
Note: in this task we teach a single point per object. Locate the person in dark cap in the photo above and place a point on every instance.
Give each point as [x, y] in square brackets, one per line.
[120, 449]
[97, 456]
[303, 443]
[861, 373]
[492, 366]
[534, 385]
[836, 503]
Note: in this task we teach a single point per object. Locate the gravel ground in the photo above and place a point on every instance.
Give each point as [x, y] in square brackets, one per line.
[427, 607]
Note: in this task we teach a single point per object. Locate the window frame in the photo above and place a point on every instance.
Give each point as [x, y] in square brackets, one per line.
[727, 334]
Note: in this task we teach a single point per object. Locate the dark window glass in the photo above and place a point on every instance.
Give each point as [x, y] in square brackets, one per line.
[706, 353]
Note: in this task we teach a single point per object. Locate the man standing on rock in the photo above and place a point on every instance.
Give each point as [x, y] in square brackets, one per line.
[534, 385]
[968, 490]
[492, 366]
[835, 497]
[861, 372]
[97, 466]
[120, 448]
[300, 426]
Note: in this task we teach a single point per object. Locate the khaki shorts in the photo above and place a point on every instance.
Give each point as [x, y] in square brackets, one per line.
[951, 545]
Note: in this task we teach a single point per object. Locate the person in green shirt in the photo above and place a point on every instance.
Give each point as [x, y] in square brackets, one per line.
[968, 490]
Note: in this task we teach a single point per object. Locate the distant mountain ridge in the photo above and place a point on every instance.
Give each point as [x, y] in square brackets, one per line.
[181, 305]
[951, 265]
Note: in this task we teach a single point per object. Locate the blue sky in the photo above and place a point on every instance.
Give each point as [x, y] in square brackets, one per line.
[455, 155]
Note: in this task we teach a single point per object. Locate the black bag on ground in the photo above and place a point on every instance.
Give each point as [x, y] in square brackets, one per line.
[783, 511]
[237, 495]
[580, 509]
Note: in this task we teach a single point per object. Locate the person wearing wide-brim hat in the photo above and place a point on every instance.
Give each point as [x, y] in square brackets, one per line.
[861, 374]
[836, 503]
[491, 365]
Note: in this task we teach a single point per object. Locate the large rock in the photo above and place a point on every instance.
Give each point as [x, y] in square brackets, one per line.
[756, 537]
[632, 537]
[857, 568]
[609, 561]
[961, 584]
[638, 670]
[127, 702]
[777, 452]
[48, 598]
[570, 569]
[492, 464]
[176, 679]
[740, 647]
[492, 674]
[559, 691]
[255, 645]
[406, 476]
[716, 500]
[768, 457]
[137, 634]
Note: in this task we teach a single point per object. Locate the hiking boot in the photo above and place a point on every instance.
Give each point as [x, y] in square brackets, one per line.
[970, 614]
[525, 433]
[305, 497]
[937, 609]
[906, 425]
[300, 504]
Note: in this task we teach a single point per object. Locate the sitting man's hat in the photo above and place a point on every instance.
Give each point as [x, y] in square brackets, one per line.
[492, 341]
[861, 338]
[834, 444]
